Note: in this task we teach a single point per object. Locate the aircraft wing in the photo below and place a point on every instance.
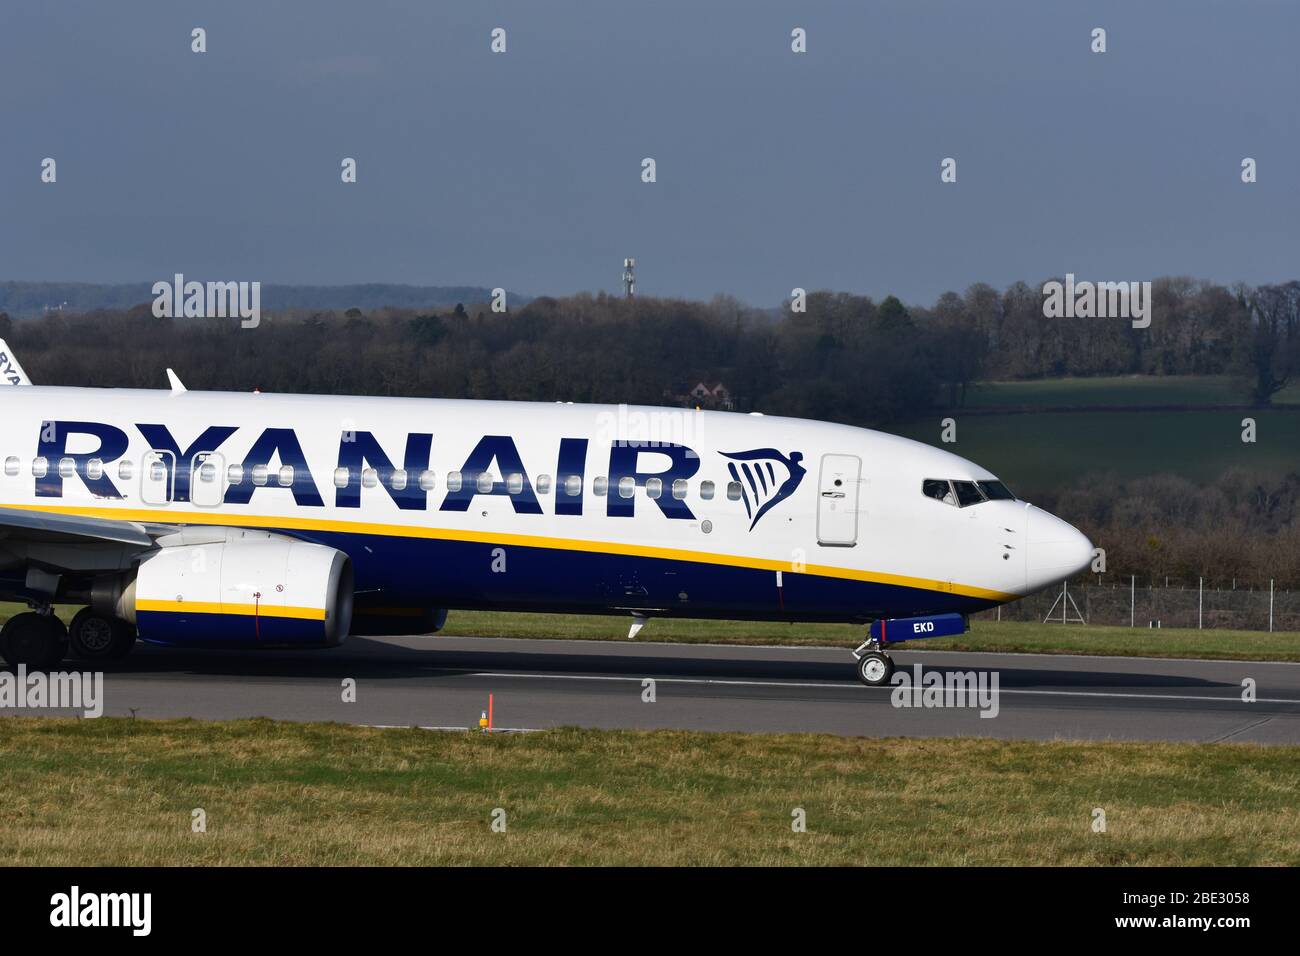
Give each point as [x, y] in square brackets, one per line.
[38, 526]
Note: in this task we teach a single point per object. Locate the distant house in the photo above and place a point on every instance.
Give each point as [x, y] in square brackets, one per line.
[709, 395]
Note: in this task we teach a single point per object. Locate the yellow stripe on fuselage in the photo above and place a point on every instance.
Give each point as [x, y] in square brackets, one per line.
[169, 516]
[243, 610]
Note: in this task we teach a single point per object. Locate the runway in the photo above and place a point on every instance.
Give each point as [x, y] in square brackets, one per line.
[444, 682]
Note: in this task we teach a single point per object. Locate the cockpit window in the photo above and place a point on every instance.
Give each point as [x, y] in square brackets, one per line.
[967, 493]
[996, 491]
[939, 490]
[963, 494]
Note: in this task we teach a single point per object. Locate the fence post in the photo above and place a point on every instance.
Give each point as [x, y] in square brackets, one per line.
[1200, 603]
[1270, 605]
[1132, 598]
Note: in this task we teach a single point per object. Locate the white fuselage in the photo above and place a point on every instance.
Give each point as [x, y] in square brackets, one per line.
[778, 537]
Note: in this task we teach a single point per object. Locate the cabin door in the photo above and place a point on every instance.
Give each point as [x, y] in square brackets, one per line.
[837, 501]
[157, 477]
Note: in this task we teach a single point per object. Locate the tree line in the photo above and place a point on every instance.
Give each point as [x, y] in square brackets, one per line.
[841, 358]
[1197, 328]
[1241, 527]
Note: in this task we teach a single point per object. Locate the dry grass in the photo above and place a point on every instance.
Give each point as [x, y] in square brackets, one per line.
[122, 791]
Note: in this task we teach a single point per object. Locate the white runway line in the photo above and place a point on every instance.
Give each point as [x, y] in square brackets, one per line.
[822, 648]
[824, 684]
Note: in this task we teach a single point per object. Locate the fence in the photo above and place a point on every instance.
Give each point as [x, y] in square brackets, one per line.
[1121, 604]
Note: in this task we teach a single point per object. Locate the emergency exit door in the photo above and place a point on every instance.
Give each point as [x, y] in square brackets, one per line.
[208, 479]
[837, 501]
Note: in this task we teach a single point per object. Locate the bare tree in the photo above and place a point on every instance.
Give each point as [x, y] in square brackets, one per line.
[1269, 352]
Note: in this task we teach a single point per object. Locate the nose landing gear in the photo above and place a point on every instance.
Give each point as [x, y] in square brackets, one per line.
[874, 667]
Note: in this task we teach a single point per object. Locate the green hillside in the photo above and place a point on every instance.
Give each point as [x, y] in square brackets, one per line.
[1039, 451]
[1126, 390]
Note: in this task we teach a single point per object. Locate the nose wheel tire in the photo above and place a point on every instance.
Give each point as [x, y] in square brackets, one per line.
[97, 637]
[38, 641]
[875, 668]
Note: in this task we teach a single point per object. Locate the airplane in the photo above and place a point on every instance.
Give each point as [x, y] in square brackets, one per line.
[218, 519]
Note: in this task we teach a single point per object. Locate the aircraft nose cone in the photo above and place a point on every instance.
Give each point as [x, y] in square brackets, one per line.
[1057, 550]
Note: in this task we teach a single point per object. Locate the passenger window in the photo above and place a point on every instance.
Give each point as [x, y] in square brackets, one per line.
[654, 487]
[341, 477]
[157, 471]
[967, 493]
[680, 487]
[733, 491]
[397, 480]
[95, 469]
[67, 468]
[285, 477]
[369, 478]
[427, 480]
[600, 487]
[234, 474]
[125, 471]
[453, 481]
[207, 472]
[259, 475]
[12, 467]
[543, 484]
[515, 484]
[706, 490]
[626, 487]
[39, 468]
[484, 483]
[573, 486]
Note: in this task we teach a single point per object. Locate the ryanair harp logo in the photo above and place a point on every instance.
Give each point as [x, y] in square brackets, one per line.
[766, 478]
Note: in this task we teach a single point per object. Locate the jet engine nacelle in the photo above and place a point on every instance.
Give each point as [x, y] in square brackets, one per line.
[246, 592]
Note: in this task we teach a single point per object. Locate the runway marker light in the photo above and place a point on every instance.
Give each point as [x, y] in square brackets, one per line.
[482, 722]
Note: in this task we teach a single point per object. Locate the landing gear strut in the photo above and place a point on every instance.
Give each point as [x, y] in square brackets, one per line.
[97, 637]
[874, 666]
[38, 641]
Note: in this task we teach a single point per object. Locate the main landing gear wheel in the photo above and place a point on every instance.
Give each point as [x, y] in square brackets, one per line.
[97, 637]
[875, 668]
[38, 641]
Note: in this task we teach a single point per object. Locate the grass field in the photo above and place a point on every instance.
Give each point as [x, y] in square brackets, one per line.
[983, 636]
[122, 792]
[1117, 390]
[1007, 636]
[1049, 450]
[1037, 451]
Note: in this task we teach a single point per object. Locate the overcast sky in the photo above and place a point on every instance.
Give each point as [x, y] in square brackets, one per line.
[774, 169]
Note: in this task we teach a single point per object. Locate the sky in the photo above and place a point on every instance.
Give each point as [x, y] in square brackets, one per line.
[774, 169]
